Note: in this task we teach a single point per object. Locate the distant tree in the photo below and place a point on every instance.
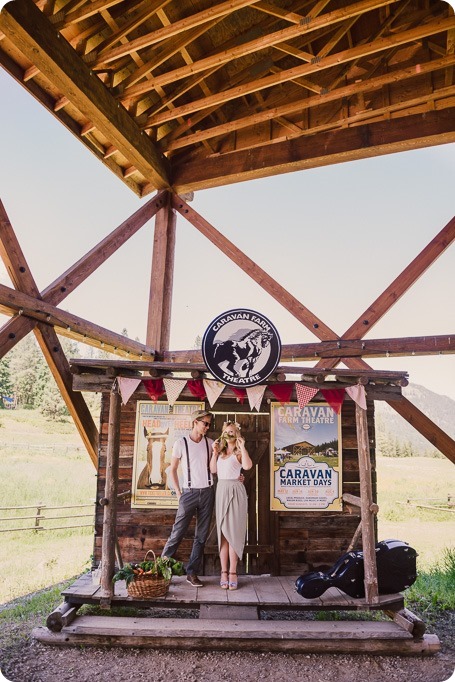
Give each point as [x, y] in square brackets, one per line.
[26, 366]
[6, 387]
[52, 404]
[197, 342]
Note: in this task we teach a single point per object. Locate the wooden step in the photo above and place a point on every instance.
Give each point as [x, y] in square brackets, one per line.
[248, 635]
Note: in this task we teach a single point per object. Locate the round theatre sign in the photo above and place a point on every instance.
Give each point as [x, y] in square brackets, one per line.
[241, 348]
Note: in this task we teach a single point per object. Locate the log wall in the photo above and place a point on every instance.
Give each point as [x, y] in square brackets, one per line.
[290, 542]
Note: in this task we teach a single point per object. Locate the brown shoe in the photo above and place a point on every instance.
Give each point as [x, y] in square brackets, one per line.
[194, 581]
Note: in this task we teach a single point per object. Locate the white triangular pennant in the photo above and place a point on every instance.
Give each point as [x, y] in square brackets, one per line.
[213, 389]
[255, 395]
[357, 393]
[173, 388]
[127, 387]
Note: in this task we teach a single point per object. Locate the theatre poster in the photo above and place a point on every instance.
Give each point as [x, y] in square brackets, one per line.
[305, 458]
[158, 425]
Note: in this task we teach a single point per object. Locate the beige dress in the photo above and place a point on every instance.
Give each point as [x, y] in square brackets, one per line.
[231, 504]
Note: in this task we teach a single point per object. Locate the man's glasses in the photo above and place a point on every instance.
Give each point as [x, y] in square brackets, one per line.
[206, 424]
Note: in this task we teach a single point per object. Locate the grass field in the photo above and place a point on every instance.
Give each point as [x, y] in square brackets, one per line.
[45, 462]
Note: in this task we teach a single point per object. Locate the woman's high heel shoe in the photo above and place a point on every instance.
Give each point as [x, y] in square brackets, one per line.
[233, 583]
[224, 584]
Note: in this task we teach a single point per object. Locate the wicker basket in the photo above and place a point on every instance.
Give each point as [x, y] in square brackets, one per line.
[148, 586]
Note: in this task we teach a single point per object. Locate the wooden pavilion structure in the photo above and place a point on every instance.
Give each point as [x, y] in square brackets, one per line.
[176, 96]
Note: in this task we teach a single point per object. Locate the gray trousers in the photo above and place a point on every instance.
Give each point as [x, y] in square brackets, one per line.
[193, 502]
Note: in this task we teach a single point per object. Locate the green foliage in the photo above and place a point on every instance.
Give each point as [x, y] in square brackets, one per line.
[39, 604]
[434, 589]
[6, 387]
[52, 404]
[164, 567]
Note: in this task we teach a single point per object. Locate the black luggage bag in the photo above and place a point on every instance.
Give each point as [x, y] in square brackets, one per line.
[396, 565]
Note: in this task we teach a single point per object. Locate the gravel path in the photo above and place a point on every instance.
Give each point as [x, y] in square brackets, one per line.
[25, 660]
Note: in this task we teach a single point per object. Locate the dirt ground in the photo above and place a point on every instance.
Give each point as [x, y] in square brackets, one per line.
[23, 659]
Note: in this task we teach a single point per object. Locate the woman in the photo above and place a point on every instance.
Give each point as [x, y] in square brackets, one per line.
[229, 456]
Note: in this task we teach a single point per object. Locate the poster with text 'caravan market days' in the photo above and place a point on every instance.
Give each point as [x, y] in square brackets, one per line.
[158, 425]
[305, 458]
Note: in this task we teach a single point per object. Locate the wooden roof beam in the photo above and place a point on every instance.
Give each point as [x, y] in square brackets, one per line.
[22, 278]
[267, 40]
[150, 8]
[15, 330]
[13, 302]
[329, 350]
[32, 33]
[373, 139]
[203, 17]
[363, 86]
[423, 424]
[402, 283]
[297, 309]
[305, 69]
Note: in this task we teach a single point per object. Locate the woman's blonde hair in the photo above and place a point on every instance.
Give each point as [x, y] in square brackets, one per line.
[222, 440]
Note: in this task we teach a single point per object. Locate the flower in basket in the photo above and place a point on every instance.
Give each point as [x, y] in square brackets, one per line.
[160, 567]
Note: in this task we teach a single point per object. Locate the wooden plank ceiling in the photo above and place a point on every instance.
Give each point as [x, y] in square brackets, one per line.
[191, 94]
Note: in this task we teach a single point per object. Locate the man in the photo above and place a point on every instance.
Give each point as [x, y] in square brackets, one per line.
[196, 498]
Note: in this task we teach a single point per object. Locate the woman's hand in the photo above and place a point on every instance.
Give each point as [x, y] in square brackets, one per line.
[240, 442]
[216, 448]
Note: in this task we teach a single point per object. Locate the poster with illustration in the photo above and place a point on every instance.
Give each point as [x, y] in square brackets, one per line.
[158, 425]
[305, 458]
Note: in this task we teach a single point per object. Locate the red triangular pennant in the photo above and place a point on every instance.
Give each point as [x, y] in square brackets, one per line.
[154, 387]
[197, 389]
[282, 392]
[334, 397]
[239, 392]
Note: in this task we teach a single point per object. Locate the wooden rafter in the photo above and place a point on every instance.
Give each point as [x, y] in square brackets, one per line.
[244, 49]
[16, 329]
[31, 32]
[308, 102]
[22, 278]
[402, 283]
[328, 350]
[297, 309]
[16, 302]
[331, 147]
[304, 70]
[178, 27]
[160, 302]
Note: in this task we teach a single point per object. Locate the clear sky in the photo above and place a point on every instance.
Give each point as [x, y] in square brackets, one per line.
[335, 237]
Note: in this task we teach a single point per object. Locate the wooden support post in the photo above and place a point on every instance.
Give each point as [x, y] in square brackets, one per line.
[62, 616]
[110, 507]
[367, 508]
[160, 303]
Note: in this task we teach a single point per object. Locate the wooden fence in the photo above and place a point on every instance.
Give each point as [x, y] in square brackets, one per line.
[41, 514]
[433, 503]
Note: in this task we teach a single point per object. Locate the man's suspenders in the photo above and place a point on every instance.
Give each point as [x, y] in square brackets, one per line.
[209, 478]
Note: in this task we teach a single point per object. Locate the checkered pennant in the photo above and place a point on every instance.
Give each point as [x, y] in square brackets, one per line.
[304, 394]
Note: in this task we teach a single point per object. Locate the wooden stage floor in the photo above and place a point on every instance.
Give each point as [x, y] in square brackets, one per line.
[255, 617]
[259, 591]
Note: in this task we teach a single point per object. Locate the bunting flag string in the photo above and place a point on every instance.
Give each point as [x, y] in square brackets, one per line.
[154, 387]
[127, 387]
[210, 389]
[334, 397]
[358, 395]
[282, 392]
[304, 394]
[239, 392]
[196, 388]
[255, 395]
[213, 389]
[173, 388]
